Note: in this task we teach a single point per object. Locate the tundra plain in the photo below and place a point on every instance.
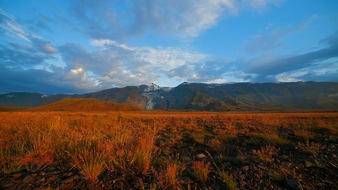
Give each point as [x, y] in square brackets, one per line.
[168, 150]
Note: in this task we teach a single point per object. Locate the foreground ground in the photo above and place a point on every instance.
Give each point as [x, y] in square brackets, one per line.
[168, 150]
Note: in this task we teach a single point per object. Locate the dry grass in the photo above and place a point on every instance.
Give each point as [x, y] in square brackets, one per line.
[201, 170]
[89, 162]
[266, 153]
[311, 148]
[162, 145]
[171, 175]
[91, 144]
[228, 180]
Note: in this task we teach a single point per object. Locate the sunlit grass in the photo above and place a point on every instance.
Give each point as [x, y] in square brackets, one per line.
[156, 148]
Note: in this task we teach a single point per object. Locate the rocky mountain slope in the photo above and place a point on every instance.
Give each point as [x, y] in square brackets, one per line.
[209, 97]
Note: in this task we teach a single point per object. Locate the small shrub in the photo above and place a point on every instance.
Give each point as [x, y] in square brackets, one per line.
[34, 161]
[90, 163]
[310, 148]
[143, 154]
[198, 136]
[305, 134]
[266, 139]
[228, 180]
[201, 170]
[266, 153]
[171, 174]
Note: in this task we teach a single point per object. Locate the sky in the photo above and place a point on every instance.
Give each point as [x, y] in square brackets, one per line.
[78, 46]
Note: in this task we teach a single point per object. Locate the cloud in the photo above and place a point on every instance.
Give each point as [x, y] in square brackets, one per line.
[29, 56]
[209, 72]
[33, 80]
[171, 17]
[49, 49]
[27, 66]
[266, 67]
[115, 64]
[326, 71]
[42, 81]
[124, 19]
[21, 57]
[290, 63]
[23, 70]
[33, 52]
[261, 5]
[184, 19]
[76, 71]
[291, 76]
[264, 43]
[317, 65]
[275, 38]
[9, 26]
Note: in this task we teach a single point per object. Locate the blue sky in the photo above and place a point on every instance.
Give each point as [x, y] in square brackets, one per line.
[82, 46]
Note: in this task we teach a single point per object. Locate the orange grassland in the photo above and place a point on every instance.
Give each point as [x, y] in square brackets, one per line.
[171, 150]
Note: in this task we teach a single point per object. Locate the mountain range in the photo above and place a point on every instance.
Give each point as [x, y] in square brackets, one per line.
[316, 96]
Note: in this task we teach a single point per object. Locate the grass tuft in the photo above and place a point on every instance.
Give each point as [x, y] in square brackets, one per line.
[201, 170]
[266, 153]
[228, 180]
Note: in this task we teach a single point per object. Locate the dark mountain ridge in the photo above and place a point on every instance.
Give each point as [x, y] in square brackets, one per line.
[205, 97]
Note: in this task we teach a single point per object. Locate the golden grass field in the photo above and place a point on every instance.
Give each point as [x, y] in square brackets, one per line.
[168, 150]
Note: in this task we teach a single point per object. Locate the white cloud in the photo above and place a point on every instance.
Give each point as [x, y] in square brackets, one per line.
[10, 27]
[291, 76]
[86, 82]
[197, 16]
[80, 79]
[104, 43]
[76, 71]
[322, 69]
[209, 72]
[116, 64]
[168, 58]
[163, 58]
[15, 29]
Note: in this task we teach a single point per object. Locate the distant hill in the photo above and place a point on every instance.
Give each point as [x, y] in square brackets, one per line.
[84, 104]
[316, 96]
[11, 108]
[130, 95]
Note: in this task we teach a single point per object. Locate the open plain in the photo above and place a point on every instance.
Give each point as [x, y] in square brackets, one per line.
[168, 150]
